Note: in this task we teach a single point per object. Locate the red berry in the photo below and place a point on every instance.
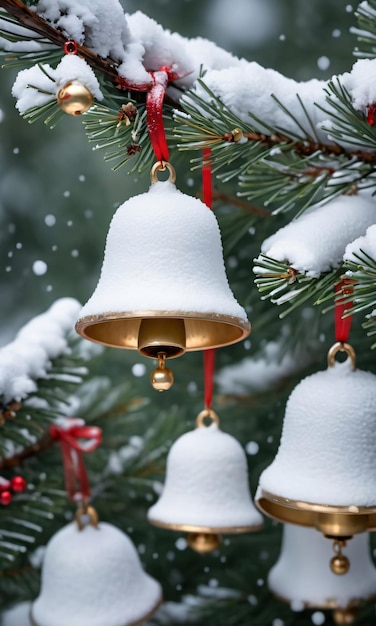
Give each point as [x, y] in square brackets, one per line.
[6, 497]
[18, 483]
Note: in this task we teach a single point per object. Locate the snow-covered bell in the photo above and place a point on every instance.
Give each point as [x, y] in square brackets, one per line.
[301, 575]
[163, 288]
[92, 576]
[206, 491]
[324, 473]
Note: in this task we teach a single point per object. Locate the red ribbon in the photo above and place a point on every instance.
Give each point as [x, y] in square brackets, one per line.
[155, 89]
[154, 115]
[209, 355]
[371, 114]
[76, 480]
[207, 177]
[343, 324]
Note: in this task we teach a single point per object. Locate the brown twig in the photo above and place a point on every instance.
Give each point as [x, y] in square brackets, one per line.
[32, 20]
[17, 459]
[251, 208]
[310, 147]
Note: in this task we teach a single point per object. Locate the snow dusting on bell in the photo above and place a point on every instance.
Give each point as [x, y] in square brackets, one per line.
[163, 252]
[92, 577]
[327, 449]
[302, 576]
[206, 484]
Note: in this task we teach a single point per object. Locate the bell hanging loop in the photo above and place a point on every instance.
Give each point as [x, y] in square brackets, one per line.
[85, 515]
[341, 346]
[207, 414]
[162, 166]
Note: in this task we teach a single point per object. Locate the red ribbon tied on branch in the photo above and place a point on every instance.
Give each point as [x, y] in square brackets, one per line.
[155, 90]
[75, 439]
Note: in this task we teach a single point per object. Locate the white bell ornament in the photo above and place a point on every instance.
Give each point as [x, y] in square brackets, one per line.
[324, 473]
[92, 576]
[301, 575]
[163, 288]
[206, 491]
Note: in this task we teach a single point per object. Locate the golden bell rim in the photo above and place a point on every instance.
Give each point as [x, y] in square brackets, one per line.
[203, 330]
[332, 521]
[210, 530]
[329, 604]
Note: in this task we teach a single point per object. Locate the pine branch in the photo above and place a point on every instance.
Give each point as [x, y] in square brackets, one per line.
[220, 126]
[34, 449]
[363, 272]
[30, 19]
[366, 30]
[282, 284]
[277, 169]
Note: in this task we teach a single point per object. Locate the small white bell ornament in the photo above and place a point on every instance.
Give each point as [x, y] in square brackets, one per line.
[163, 288]
[206, 491]
[92, 576]
[324, 473]
[301, 574]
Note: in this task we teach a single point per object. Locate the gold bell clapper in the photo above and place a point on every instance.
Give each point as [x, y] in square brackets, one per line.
[206, 492]
[324, 473]
[92, 574]
[163, 288]
[302, 578]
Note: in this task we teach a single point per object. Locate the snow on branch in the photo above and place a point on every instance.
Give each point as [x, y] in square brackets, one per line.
[29, 356]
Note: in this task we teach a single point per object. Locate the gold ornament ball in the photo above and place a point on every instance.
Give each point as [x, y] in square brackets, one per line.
[203, 542]
[74, 98]
[340, 564]
[162, 379]
[345, 616]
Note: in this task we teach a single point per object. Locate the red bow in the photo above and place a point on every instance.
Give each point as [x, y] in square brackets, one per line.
[69, 435]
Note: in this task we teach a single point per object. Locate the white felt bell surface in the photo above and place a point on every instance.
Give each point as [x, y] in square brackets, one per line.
[18, 615]
[302, 573]
[163, 252]
[93, 577]
[206, 483]
[327, 449]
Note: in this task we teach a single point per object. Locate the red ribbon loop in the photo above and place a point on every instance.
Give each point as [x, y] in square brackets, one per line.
[76, 479]
[343, 324]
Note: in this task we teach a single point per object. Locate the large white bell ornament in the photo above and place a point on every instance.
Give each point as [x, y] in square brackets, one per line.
[324, 473]
[206, 491]
[92, 576]
[163, 288]
[301, 575]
